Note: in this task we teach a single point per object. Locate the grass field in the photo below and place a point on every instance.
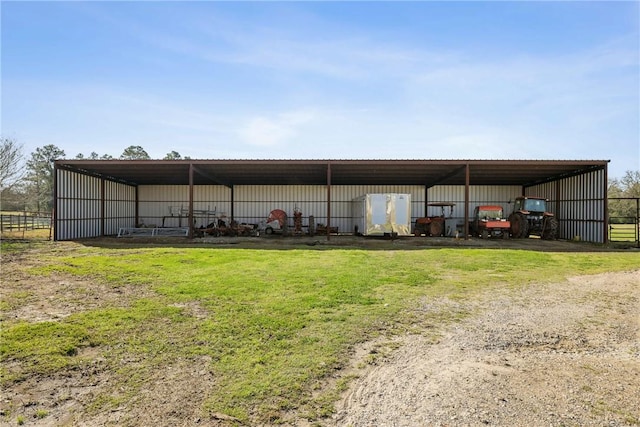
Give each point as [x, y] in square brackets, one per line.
[273, 324]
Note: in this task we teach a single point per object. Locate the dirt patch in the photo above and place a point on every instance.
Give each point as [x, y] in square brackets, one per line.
[172, 396]
[33, 298]
[561, 354]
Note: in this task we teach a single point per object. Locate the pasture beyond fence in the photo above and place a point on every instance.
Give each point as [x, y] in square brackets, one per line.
[626, 227]
[11, 222]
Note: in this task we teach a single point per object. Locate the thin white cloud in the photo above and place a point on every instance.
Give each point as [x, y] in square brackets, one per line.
[274, 131]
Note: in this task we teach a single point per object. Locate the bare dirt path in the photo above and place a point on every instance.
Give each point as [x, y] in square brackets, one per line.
[566, 354]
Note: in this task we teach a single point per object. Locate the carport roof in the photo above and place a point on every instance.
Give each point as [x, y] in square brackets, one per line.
[341, 172]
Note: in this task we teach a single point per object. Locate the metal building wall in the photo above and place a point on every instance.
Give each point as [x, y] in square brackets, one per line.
[119, 207]
[168, 205]
[579, 202]
[77, 206]
[87, 206]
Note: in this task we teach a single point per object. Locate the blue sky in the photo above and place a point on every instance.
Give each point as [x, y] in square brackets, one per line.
[320, 80]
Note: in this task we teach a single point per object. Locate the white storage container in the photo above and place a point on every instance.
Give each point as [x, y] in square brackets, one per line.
[382, 214]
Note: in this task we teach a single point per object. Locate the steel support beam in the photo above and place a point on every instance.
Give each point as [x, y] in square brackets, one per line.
[232, 203]
[137, 208]
[466, 201]
[328, 200]
[557, 208]
[426, 200]
[54, 213]
[605, 205]
[191, 172]
[102, 206]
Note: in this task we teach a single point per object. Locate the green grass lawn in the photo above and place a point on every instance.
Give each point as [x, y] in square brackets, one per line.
[277, 322]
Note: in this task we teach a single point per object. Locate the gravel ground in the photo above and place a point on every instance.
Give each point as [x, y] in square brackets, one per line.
[566, 354]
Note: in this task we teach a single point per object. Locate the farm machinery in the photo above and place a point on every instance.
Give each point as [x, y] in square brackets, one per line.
[275, 222]
[530, 216]
[433, 225]
[489, 221]
[224, 227]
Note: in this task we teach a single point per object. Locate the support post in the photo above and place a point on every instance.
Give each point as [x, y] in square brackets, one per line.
[102, 206]
[466, 202]
[54, 208]
[232, 204]
[137, 208]
[605, 205]
[328, 201]
[190, 234]
[426, 200]
[557, 208]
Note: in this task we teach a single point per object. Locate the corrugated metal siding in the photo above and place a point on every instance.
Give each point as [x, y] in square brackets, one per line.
[119, 207]
[79, 209]
[77, 206]
[160, 205]
[578, 202]
[254, 202]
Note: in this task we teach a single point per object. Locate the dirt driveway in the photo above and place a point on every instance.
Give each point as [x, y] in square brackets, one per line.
[566, 354]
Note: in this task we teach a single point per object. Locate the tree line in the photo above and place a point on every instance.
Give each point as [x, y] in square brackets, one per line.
[622, 207]
[26, 182]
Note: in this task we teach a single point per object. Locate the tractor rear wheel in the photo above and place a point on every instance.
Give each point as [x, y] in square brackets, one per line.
[550, 228]
[519, 225]
[436, 228]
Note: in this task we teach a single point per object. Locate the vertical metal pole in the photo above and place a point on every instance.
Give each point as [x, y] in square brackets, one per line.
[329, 201]
[605, 205]
[466, 202]
[190, 201]
[137, 207]
[557, 208]
[102, 206]
[232, 205]
[426, 200]
[54, 210]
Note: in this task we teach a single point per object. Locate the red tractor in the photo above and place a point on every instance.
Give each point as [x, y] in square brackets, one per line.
[433, 225]
[489, 221]
[530, 216]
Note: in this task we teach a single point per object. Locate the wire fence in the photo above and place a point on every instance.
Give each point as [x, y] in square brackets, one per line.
[34, 224]
[624, 228]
